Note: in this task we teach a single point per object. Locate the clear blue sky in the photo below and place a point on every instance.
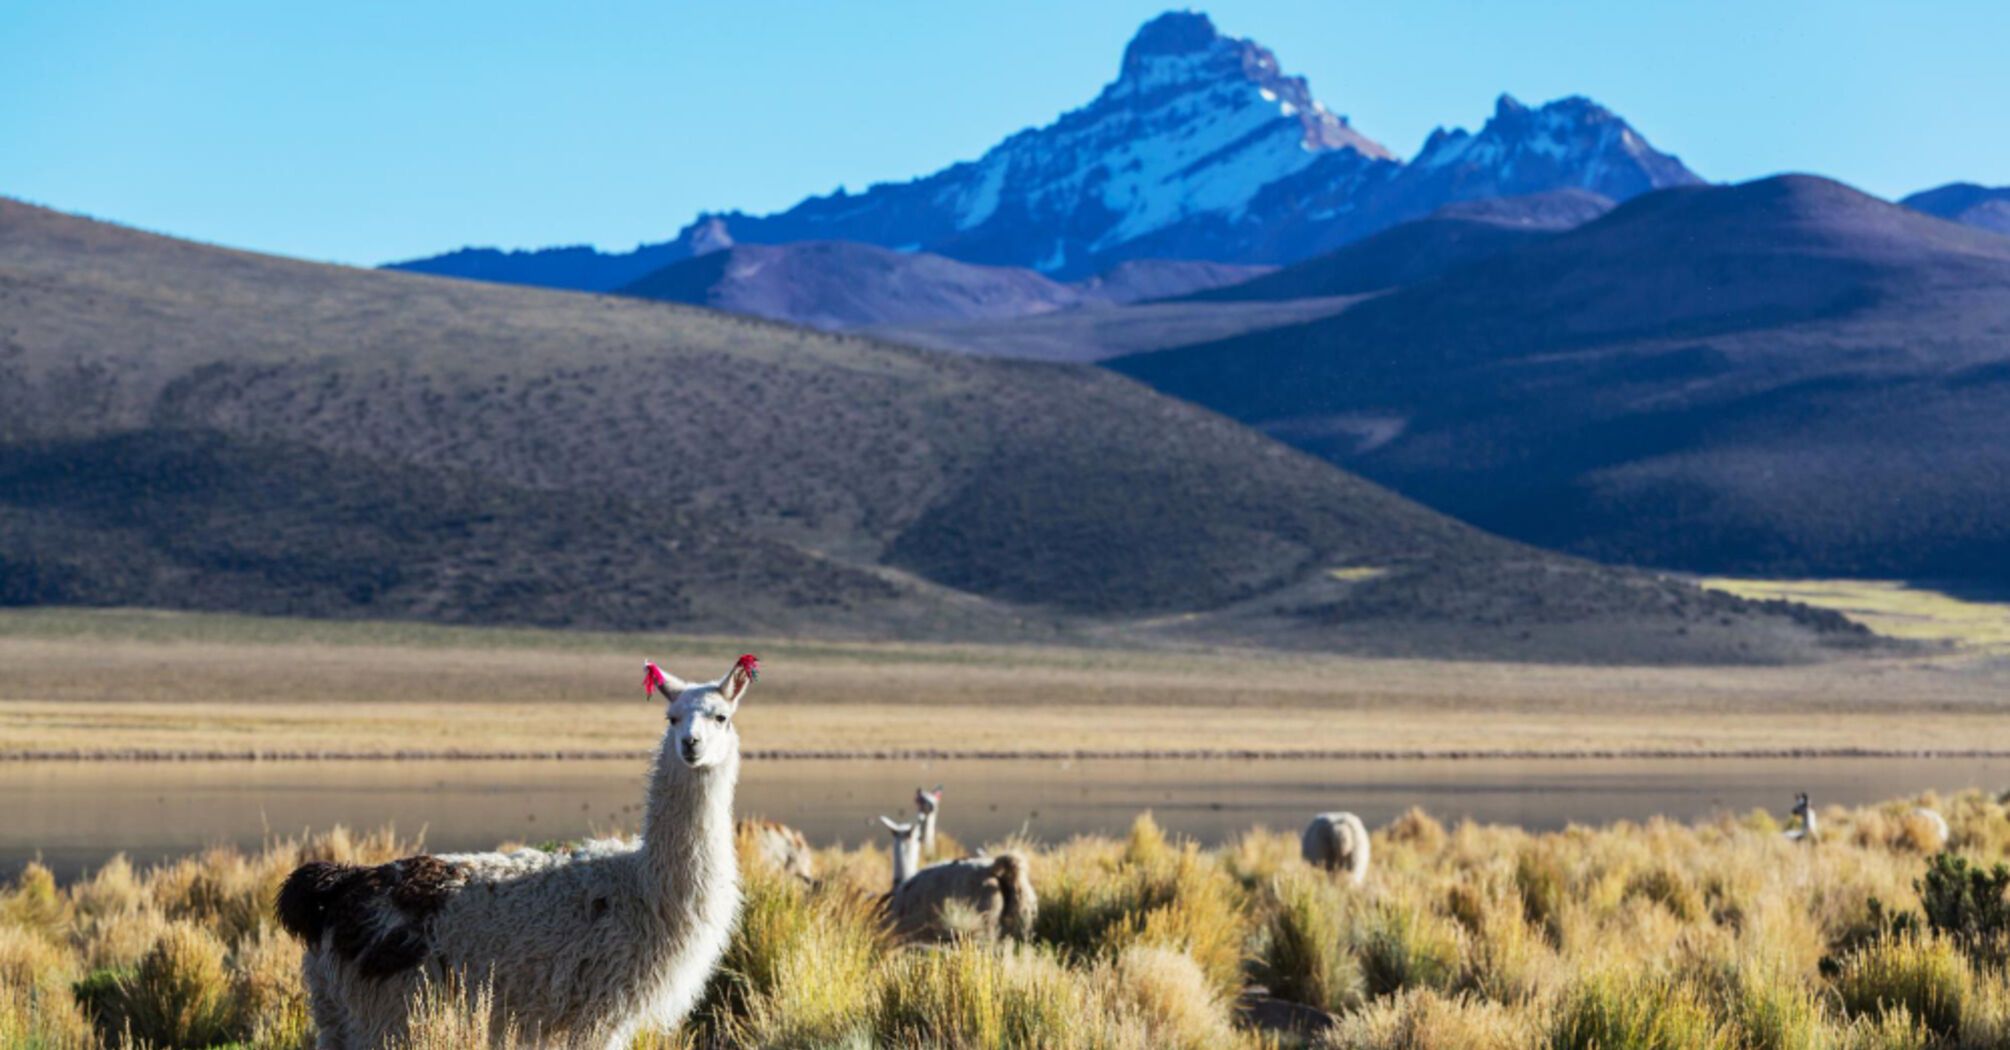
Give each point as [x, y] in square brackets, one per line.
[363, 132]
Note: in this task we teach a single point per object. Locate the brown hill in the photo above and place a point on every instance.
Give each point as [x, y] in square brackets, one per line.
[469, 426]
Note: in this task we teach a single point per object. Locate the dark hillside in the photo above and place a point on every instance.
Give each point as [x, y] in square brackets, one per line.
[1785, 377]
[899, 492]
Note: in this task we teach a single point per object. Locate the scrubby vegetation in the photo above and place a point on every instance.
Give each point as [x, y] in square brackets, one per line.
[1650, 935]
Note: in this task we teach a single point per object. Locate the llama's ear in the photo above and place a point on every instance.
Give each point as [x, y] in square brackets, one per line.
[894, 826]
[734, 685]
[655, 678]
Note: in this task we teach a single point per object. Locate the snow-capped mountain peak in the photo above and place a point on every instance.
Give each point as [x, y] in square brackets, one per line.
[1571, 142]
[1182, 51]
[1200, 148]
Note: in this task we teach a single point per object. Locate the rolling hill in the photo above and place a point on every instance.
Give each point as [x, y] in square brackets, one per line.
[836, 285]
[206, 428]
[1415, 251]
[1983, 207]
[1320, 287]
[1785, 377]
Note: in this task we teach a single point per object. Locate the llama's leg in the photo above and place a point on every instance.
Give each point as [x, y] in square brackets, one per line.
[330, 1020]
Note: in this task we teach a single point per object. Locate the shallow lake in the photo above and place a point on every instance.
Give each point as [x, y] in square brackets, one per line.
[77, 814]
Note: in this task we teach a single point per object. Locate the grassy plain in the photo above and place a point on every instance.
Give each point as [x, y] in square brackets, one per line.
[1655, 936]
[115, 682]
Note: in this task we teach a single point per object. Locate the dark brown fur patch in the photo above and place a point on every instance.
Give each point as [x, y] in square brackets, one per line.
[379, 917]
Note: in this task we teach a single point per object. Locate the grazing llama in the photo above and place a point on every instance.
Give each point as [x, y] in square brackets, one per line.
[780, 848]
[986, 896]
[1804, 813]
[582, 949]
[1337, 842]
[927, 805]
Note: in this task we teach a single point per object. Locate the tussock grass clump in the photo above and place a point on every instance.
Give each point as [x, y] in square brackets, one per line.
[450, 1016]
[1418, 830]
[978, 995]
[1924, 974]
[801, 967]
[34, 903]
[180, 994]
[1421, 1019]
[1258, 855]
[1095, 901]
[1407, 945]
[1169, 994]
[1306, 955]
[30, 1017]
[1606, 1010]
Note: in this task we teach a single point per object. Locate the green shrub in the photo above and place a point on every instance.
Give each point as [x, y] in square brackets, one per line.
[1967, 903]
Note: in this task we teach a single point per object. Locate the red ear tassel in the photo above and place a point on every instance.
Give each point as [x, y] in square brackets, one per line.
[653, 679]
[750, 664]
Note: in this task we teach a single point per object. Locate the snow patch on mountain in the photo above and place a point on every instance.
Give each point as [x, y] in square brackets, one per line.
[1200, 149]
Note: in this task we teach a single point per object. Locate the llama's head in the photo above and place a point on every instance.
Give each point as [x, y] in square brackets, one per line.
[1801, 805]
[926, 801]
[906, 849]
[701, 714]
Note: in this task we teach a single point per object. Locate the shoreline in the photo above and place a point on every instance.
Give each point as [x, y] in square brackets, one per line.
[136, 755]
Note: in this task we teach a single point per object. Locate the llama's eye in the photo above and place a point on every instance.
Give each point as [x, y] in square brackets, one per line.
[673, 720]
[721, 719]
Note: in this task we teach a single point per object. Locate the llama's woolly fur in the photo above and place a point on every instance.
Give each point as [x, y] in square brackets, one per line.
[1337, 842]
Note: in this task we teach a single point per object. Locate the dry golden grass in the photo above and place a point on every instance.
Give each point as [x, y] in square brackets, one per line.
[1651, 935]
[108, 682]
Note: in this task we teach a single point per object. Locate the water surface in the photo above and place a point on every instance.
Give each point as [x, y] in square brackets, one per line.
[75, 815]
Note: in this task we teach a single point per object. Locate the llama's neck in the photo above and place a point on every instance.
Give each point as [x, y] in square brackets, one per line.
[928, 831]
[906, 859]
[1808, 821]
[687, 832]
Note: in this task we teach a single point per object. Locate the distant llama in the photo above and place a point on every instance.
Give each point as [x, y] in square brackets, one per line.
[582, 949]
[927, 806]
[781, 848]
[1337, 842]
[1805, 814]
[982, 896]
[1936, 826]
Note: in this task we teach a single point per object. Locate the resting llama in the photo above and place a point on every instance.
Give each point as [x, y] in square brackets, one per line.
[583, 949]
[780, 848]
[1337, 842]
[986, 896]
[927, 806]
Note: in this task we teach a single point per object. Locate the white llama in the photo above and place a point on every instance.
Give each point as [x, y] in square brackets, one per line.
[1337, 842]
[780, 848]
[984, 896]
[1936, 825]
[1804, 813]
[582, 949]
[927, 805]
